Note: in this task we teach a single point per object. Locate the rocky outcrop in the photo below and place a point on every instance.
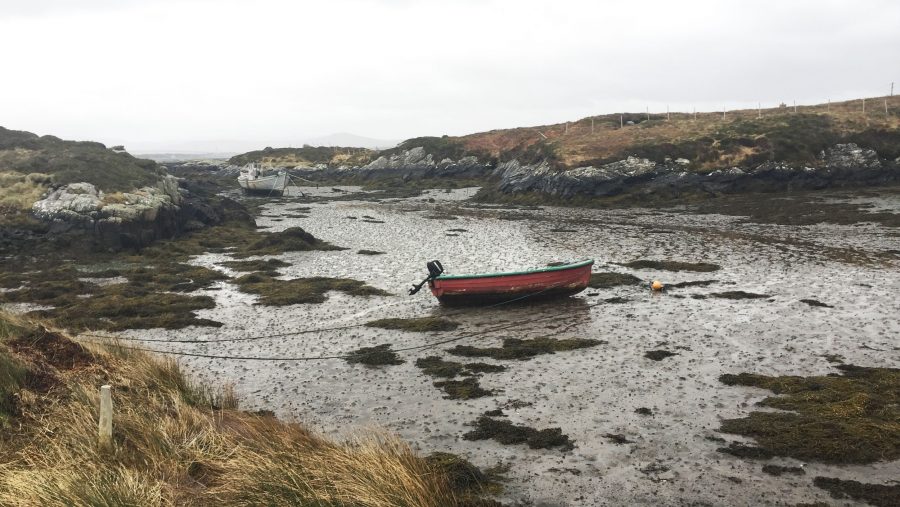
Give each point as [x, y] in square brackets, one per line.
[127, 219]
[840, 166]
[410, 164]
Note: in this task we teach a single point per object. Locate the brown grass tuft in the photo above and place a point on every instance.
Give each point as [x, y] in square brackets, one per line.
[177, 443]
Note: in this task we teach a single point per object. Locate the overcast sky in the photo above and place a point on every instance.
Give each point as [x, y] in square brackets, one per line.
[232, 75]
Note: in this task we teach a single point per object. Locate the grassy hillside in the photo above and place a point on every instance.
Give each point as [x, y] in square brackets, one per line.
[708, 140]
[178, 443]
[307, 156]
[29, 163]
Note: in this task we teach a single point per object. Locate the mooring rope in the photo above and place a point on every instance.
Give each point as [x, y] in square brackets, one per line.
[305, 331]
[347, 356]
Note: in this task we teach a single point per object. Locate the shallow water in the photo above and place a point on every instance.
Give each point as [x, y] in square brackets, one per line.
[589, 392]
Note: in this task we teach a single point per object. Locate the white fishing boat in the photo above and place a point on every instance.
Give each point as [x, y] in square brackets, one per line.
[254, 179]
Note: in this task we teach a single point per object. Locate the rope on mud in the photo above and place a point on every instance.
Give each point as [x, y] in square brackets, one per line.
[345, 356]
[294, 333]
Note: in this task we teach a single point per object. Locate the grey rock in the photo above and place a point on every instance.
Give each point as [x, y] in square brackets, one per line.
[850, 156]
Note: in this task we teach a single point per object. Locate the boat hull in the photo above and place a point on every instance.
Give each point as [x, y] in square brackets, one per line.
[272, 185]
[512, 287]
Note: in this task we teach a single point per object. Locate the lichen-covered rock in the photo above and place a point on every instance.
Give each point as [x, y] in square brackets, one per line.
[127, 219]
[850, 156]
[83, 202]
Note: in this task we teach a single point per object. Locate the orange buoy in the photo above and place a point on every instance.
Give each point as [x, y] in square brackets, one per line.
[657, 285]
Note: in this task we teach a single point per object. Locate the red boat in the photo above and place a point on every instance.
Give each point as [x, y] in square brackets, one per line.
[555, 281]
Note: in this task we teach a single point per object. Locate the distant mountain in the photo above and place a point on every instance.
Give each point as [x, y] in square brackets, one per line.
[182, 156]
[351, 140]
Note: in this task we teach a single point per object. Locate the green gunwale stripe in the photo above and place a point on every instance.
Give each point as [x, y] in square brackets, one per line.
[541, 270]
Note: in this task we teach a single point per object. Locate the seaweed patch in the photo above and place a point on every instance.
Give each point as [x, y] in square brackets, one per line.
[465, 389]
[276, 292]
[421, 324]
[849, 418]
[700, 267]
[379, 355]
[508, 433]
[514, 348]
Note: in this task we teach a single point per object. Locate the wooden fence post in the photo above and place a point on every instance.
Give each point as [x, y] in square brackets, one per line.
[106, 413]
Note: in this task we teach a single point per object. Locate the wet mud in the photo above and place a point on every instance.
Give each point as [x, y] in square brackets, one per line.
[587, 392]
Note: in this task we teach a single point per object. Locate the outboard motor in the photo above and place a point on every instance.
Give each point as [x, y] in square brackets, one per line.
[434, 270]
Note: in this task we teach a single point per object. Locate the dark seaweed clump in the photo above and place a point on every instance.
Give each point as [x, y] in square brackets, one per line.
[466, 478]
[465, 389]
[879, 495]
[697, 283]
[618, 439]
[421, 324]
[778, 470]
[848, 418]
[508, 433]
[293, 239]
[152, 299]
[739, 294]
[379, 355]
[643, 411]
[514, 348]
[608, 280]
[275, 292]
[700, 267]
[659, 355]
[816, 303]
[437, 367]
[264, 265]
[369, 252]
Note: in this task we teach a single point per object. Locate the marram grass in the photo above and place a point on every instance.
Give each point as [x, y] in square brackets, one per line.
[176, 443]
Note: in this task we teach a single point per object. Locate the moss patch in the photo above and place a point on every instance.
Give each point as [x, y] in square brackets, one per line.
[379, 355]
[275, 292]
[514, 348]
[508, 433]
[422, 324]
[875, 494]
[700, 267]
[611, 279]
[848, 418]
[465, 389]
